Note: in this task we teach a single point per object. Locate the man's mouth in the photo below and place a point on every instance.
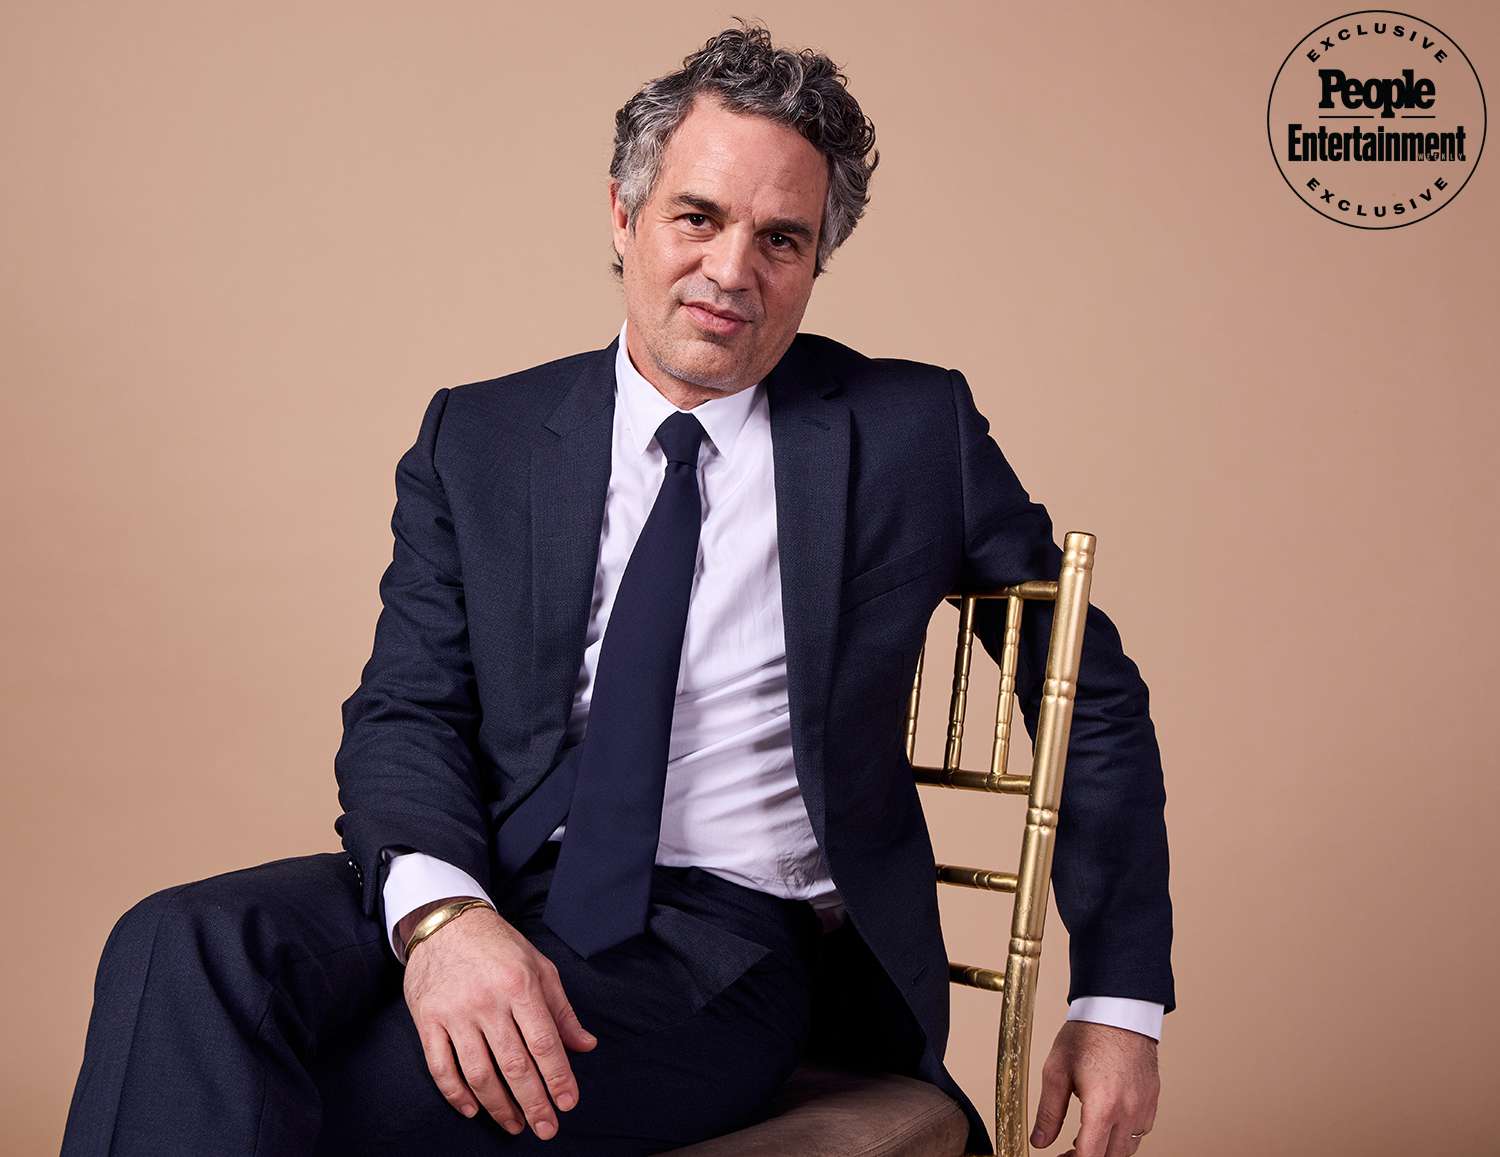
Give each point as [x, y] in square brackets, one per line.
[713, 321]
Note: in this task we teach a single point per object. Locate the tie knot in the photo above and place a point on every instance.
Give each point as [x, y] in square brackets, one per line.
[679, 437]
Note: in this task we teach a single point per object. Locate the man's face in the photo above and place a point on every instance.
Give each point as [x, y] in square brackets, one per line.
[732, 223]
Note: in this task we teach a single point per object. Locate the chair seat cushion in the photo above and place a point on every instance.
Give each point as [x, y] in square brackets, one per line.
[826, 1112]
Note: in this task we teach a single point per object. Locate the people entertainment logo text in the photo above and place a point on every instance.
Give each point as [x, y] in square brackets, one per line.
[1376, 119]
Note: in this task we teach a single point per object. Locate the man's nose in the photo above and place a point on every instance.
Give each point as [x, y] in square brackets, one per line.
[729, 260]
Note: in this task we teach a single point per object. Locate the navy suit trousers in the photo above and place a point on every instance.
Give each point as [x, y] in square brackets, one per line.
[261, 1012]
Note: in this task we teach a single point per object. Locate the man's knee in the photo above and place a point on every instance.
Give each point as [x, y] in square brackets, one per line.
[246, 910]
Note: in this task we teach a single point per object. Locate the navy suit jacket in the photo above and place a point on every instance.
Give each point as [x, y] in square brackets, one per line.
[890, 494]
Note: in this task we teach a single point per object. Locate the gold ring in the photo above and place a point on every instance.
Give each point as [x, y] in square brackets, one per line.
[1138, 1136]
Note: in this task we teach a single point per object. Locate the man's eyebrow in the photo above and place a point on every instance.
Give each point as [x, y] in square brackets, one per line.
[792, 225]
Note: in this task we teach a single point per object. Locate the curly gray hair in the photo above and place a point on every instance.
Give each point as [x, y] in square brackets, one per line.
[804, 90]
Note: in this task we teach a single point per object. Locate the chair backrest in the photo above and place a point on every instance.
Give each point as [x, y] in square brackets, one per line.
[1016, 983]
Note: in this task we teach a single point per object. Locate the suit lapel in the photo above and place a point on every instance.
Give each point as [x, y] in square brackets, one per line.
[569, 481]
[810, 445]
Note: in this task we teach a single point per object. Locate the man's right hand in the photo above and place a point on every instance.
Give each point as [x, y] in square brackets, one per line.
[477, 986]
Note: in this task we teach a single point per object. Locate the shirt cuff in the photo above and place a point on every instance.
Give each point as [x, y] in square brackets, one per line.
[414, 879]
[1142, 1016]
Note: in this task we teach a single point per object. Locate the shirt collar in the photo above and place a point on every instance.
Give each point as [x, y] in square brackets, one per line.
[646, 408]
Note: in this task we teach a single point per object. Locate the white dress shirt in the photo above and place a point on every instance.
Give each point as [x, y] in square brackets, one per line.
[732, 804]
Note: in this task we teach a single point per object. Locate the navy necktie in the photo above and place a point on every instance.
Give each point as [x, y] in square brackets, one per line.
[601, 885]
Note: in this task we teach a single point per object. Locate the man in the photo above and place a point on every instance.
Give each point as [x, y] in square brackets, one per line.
[627, 756]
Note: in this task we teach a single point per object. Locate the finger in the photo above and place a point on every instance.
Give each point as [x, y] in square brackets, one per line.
[575, 1036]
[534, 1016]
[479, 1071]
[1094, 1128]
[1121, 1143]
[520, 1074]
[438, 1050]
[1052, 1108]
[1144, 1118]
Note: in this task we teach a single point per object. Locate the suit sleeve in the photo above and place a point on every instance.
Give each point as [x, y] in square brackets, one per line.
[1110, 862]
[407, 771]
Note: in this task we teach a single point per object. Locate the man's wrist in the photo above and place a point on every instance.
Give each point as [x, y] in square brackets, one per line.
[408, 923]
[414, 879]
[1086, 1026]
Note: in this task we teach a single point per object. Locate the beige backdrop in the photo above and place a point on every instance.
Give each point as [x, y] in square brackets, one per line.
[243, 245]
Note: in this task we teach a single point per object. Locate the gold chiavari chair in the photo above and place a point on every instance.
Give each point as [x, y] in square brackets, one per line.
[821, 1111]
[1042, 788]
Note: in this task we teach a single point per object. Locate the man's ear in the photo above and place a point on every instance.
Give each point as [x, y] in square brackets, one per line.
[618, 217]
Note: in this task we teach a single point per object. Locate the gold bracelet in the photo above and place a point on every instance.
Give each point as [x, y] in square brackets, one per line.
[439, 916]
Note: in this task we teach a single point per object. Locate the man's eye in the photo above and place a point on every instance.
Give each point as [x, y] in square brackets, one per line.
[689, 217]
[789, 242]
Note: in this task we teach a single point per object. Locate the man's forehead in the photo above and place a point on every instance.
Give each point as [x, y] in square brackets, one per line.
[715, 140]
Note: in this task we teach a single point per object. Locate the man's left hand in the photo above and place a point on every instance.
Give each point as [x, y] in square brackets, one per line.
[1113, 1073]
